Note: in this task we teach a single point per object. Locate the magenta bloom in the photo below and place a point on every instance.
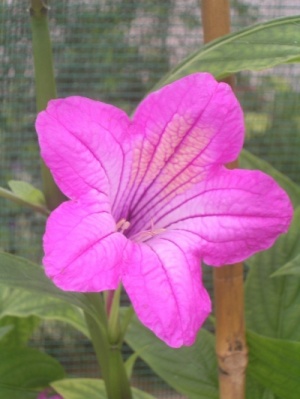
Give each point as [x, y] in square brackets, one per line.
[45, 395]
[150, 199]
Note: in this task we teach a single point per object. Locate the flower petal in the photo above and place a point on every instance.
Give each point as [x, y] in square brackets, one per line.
[163, 281]
[85, 143]
[183, 132]
[231, 216]
[83, 252]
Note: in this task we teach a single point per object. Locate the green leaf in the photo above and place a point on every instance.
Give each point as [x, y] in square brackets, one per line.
[292, 268]
[130, 362]
[17, 393]
[17, 272]
[255, 48]
[21, 303]
[23, 370]
[21, 332]
[114, 333]
[275, 363]
[27, 192]
[31, 201]
[126, 314]
[254, 390]
[272, 304]
[91, 388]
[189, 370]
[250, 161]
[5, 330]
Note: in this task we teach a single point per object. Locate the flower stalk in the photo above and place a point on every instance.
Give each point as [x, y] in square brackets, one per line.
[108, 353]
[231, 345]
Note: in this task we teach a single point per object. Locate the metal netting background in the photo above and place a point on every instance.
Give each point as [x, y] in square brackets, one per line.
[115, 50]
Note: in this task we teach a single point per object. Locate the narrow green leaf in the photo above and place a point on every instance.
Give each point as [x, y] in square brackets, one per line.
[25, 369]
[255, 48]
[5, 330]
[17, 272]
[21, 201]
[250, 161]
[191, 371]
[27, 192]
[275, 364]
[22, 303]
[126, 314]
[272, 304]
[130, 362]
[114, 329]
[78, 388]
[292, 268]
[91, 388]
[21, 332]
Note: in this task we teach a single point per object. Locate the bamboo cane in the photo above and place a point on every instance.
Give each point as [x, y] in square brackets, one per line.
[231, 346]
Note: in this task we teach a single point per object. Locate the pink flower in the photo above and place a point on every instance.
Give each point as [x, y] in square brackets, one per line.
[45, 395]
[150, 198]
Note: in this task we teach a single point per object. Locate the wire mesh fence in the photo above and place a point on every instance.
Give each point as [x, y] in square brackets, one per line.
[115, 51]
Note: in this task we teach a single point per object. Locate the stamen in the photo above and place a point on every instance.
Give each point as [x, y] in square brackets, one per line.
[146, 234]
[122, 225]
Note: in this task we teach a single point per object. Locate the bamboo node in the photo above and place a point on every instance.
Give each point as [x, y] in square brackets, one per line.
[233, 363]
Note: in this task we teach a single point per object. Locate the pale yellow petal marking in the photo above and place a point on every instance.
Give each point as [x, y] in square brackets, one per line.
[143, 235]
[172, 159]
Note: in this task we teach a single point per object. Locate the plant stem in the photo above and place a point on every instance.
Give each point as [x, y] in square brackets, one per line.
[108, 354]
[228, 280]
[45, 87]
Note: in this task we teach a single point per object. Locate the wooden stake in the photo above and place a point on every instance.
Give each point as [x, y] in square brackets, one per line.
[231, 346]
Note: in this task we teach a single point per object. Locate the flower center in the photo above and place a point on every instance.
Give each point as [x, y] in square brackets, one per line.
[122, 225]
[140, 236]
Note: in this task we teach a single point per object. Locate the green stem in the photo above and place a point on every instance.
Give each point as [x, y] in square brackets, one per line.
[108, 353]
[118, 377]
[99, 334]
[44, 84]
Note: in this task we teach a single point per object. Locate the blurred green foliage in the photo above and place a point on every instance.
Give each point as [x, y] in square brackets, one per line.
[272, 106]
[100, 52]
[116, 50]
